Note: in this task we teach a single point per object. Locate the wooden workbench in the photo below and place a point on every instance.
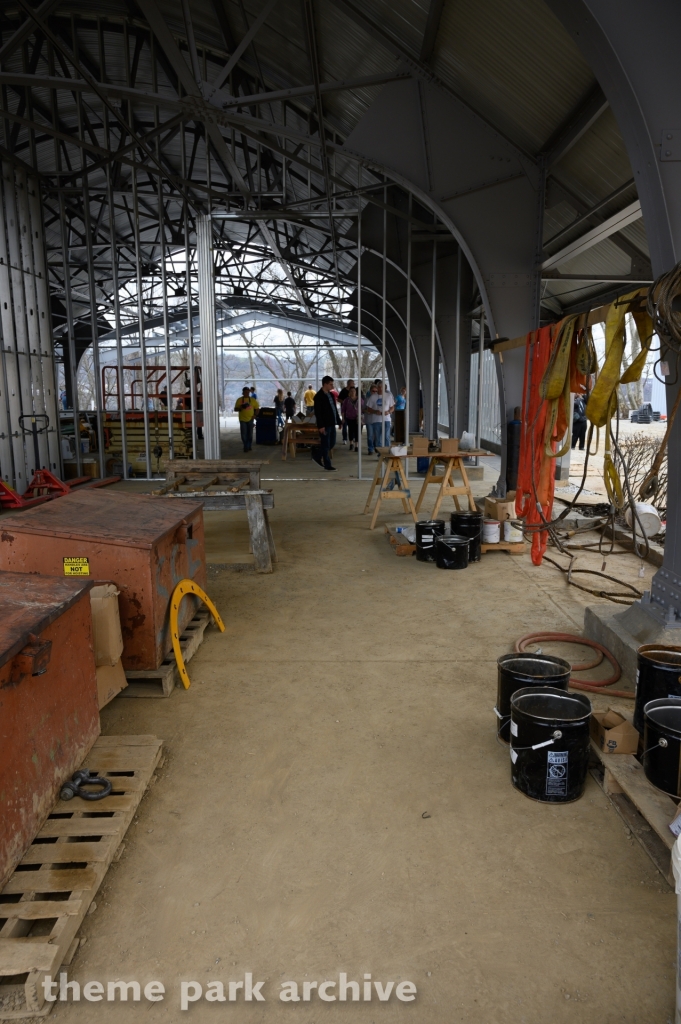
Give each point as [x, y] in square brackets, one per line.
[227, 485]
[444, 479]
[206, 473]
[298, 432]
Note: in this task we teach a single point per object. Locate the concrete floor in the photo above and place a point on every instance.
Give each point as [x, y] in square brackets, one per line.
[350, 695]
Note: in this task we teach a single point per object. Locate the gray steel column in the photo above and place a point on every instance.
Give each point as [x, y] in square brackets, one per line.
[70, 337]
[384, 307]
[481, 371]
[94, 327]
[359, 325]
[10, 407]
[454, 411]
[140, 323]
[209, 362]
[407, 408]
[433, 390]
[23, 455]
[43, 312]
[31, 315]
[117, 321]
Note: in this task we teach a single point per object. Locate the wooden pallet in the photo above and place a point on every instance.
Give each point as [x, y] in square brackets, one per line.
[161, 681]
[399, 542]
[45, 900]
[514, 547]
[645, 810]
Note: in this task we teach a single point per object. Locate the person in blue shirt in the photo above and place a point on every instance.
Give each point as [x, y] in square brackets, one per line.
[400, 414]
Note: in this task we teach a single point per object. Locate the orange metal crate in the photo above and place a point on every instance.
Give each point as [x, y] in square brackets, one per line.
[48, 722]
[142, 544]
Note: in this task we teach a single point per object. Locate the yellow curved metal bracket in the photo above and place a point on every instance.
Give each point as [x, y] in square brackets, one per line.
[182, 588]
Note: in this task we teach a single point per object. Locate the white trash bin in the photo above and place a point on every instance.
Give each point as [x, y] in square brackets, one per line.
[676, 868]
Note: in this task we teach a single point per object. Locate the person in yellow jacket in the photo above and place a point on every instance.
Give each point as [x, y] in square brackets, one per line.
[308, 398]
[247, 407]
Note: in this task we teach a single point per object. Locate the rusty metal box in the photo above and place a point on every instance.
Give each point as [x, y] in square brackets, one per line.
[48, 721]
[142, 544]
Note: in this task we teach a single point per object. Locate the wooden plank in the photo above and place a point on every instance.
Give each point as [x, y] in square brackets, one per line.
[225, 501]
[36, 910]
[51, 880]
[126, 741]
[67, 853]
[62, 827]
[127, 759]
[120, 803]
[160, 682]
[82, 884]
[258, 531]
[21, 956]
[598, 315]
[515, 548]
[656, 807]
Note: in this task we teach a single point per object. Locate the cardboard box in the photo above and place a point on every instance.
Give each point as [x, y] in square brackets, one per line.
[449, 446]
[612, 733]
[501, 510]
[419, 445]
[106, 625]
[110, 681]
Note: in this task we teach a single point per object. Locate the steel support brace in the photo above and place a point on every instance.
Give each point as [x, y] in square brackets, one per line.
[209, 351]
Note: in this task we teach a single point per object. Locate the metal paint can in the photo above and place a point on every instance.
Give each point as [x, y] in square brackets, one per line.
[469, 524]
[658, 676]
[522, 671]
[550, 743]
[451, 552]
[513, 533]
[427, 533]
[491, 531]
[662, 744]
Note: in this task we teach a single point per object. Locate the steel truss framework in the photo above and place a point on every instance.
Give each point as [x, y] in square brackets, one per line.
[129, 139]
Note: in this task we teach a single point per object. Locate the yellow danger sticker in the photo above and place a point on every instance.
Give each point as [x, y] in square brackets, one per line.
[77, 566]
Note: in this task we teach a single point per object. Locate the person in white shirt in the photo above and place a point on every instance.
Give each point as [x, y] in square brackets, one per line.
[379, 407]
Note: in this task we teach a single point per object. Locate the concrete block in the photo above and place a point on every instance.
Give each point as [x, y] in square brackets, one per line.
[623, 632]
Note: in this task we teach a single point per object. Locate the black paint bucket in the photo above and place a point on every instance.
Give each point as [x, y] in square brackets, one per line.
[451, 552]
[550, 743]
[658, 676]
[426, 535]
[469, 524]
[519, 671]
[662, 744]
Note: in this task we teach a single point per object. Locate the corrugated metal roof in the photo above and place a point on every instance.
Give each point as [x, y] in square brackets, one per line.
[512, 62]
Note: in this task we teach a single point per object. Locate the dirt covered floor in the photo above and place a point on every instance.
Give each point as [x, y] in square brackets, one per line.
[333, 799]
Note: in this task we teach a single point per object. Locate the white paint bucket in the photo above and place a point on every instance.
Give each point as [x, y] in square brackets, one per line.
[491, 531]
[513, 533]
[648, 518]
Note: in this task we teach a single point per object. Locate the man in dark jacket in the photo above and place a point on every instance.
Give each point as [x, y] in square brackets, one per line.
[579, 423]
[326, 415]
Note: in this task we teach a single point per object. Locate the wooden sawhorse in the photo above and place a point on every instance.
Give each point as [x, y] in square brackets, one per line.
[445, 482]
[387, 465]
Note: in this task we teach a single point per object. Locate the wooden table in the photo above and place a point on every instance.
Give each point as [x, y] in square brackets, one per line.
[227, 485]
[205, 473]
[445, 482]
[298, 432]
[386, 466]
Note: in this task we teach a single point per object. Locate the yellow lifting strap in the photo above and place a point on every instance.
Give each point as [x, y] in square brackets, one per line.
[182, 588]
[599, 408]
[556, 384]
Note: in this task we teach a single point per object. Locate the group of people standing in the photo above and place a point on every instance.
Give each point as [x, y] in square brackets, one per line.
[347, 410]
[381, 413]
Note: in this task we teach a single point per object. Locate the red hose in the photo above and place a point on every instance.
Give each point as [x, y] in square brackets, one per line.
[577, 684]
